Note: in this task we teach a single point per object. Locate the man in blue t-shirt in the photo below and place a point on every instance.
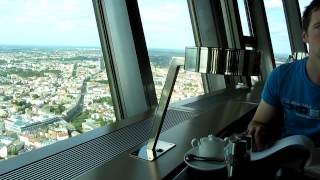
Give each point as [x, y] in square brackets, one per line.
[293, 89]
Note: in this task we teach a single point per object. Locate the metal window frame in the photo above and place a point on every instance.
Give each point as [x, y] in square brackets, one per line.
[126, 56]
[261, 34]
[232, 23]
[209, 30]
[217, 24]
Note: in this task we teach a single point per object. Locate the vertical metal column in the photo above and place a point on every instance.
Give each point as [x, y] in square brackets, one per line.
[124, 47]
[234, 34]
[209, 31]
[262, 35]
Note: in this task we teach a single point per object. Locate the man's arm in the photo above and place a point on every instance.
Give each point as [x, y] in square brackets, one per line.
[258, 126]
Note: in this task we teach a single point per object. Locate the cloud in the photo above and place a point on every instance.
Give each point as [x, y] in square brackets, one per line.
[166, 23]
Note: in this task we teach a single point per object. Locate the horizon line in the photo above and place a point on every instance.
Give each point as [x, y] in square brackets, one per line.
[82, 46]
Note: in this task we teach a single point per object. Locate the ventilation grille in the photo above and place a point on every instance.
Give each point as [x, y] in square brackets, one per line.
[174, 117]
[73, 162]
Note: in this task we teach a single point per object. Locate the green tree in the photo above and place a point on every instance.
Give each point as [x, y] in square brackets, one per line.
[77, 122]
[12, 150]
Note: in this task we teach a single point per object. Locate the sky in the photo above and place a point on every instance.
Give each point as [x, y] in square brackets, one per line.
[166, 23]
[48, 22]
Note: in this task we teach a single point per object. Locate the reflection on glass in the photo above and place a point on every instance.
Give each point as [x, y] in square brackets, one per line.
[191, 62]
[50, 89]
[278, 30]
[168, 31]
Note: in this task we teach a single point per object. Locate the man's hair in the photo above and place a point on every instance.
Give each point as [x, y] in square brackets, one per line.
[314, 5]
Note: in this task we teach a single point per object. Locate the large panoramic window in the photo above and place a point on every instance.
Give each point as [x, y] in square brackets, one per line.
[278, 30]
[168, 31]
[53, 82]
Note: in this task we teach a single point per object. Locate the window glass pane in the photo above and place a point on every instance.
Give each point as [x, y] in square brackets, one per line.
[243, 18]
[278, 30]
[53, 82]
[168, 31]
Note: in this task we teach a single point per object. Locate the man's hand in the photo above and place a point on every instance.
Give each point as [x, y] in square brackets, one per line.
[260, 135]
[259, 127]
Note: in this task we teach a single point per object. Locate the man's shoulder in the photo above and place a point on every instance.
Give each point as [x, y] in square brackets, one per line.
[292, 67]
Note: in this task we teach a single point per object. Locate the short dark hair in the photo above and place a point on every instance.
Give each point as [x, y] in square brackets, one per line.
[314, 5]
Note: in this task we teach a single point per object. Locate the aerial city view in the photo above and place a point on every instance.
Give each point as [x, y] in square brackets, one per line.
[49, 94]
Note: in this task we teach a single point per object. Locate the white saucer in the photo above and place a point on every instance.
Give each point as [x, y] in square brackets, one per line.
[203, 165]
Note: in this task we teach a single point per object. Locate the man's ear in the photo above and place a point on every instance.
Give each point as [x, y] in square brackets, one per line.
[305, 36]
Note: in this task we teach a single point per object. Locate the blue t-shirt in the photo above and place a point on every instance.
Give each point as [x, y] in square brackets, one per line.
[289, 87]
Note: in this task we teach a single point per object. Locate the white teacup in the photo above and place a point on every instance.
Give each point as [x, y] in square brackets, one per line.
[210, 146]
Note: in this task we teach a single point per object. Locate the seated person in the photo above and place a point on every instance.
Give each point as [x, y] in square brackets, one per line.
[294, 90]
